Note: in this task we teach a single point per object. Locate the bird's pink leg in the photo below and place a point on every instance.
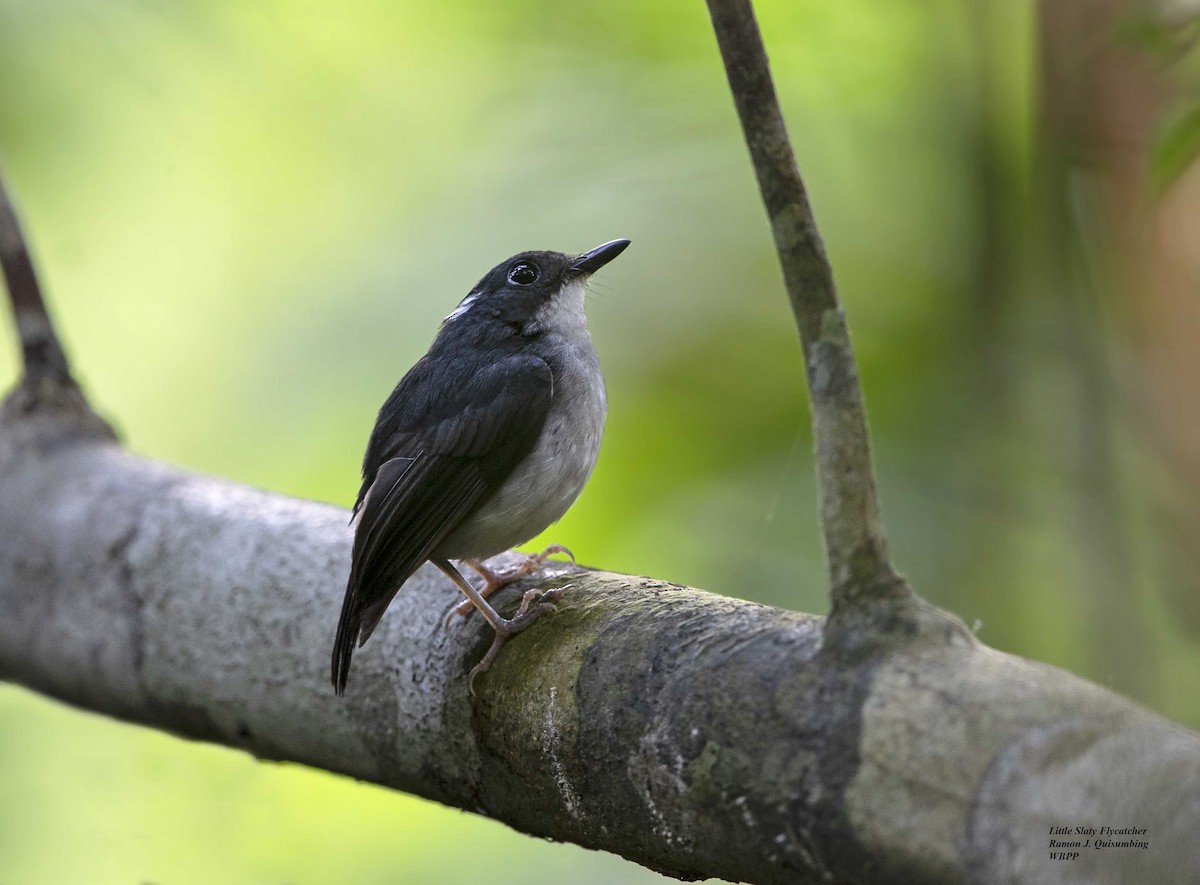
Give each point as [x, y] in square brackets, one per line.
[493, 581]
[534, 604]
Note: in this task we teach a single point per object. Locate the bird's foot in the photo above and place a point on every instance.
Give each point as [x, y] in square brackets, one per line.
[540, 558]
[534, 604]
[498, 580]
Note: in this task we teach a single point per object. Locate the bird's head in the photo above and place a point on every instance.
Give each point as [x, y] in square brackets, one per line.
[536, 292]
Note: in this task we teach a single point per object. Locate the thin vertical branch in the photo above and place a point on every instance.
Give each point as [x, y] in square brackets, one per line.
[855, 544]
[42, 354]
[47, 387]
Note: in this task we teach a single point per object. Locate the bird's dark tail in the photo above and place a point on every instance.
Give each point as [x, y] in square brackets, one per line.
[343, 643]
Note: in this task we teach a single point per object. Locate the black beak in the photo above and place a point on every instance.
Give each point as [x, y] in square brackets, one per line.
[590, 262]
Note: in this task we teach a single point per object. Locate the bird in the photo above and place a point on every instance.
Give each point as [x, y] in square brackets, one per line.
[486, 441]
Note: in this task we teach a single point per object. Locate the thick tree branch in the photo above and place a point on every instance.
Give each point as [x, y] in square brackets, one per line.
[697, 735]
[854, 538]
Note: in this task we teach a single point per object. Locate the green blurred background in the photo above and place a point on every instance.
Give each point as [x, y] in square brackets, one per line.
[250, 217]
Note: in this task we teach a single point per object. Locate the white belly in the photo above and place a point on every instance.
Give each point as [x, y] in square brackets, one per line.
[549, 479]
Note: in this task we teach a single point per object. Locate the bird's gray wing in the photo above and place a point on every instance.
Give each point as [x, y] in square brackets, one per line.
[448, 447]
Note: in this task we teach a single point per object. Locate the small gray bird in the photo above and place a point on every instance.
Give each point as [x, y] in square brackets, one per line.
[486, 441]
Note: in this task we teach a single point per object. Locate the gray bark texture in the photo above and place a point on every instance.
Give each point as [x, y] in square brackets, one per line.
[694, 734]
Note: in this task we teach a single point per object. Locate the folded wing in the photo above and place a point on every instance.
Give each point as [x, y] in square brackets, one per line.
[438, 452]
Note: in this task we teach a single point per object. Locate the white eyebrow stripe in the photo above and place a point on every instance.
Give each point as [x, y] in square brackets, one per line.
[462, 308]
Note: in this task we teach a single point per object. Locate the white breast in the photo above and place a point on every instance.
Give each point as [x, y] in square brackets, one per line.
[549, 479]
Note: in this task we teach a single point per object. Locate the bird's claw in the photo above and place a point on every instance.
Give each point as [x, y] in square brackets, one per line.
[534, 604]
[494, 581]
[543, 600]
[484, 665]
[541, 558]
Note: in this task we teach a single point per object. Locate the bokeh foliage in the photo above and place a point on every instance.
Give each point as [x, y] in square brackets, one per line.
[251, 216]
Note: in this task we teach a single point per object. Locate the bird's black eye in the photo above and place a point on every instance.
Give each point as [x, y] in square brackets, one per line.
[523, 273]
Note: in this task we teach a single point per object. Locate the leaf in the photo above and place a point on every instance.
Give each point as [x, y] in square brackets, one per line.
[1176, 147]
[1146, 32]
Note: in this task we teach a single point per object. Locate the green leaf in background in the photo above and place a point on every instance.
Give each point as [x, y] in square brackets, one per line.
[1159, 34]
[1176, 148]
[1146, 32]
